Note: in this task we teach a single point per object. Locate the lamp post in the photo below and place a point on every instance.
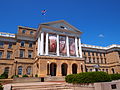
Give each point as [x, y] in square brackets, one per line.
[48, 63]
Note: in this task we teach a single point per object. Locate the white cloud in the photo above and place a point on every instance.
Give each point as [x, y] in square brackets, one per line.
[101, 36]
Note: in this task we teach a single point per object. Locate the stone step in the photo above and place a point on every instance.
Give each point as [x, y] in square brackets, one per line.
[42, 87]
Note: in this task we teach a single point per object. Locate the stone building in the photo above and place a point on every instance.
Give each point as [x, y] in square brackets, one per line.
[54, 49]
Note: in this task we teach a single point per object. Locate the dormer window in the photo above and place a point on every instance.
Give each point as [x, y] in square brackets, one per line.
[31, 32]
[23, 31]
[22, 43]
[62, 27]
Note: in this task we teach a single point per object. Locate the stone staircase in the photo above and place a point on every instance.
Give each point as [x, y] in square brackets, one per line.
[41, 86]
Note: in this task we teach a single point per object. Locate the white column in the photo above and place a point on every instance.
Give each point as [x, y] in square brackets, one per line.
[42, 44]
[67, 45]
[46, 45]
[58, 45]
[38, 46]
[80, 48]
[76, 46]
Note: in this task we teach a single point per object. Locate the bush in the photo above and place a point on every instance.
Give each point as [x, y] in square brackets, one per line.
[115, 76]
[25, 76]
[4, 76]
[1, 87]
[88, 77]
[15, 76]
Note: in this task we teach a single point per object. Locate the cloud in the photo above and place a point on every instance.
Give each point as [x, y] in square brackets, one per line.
[101, 36]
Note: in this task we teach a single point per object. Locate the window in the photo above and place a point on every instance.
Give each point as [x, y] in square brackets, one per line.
[28, 70]
[22, 53]
[30, 44]
[23, 31]
[0, 54]
[93, 60]
[10, 45]
[92, 53]
[89, 60]
[104, 54]
[31, 32]
[6, 70]
[30, 54]
[100, 54]
[1, 44]
[62, 27]
[107, 70]
[20, 70]
[105, 60]
[96, 53]
[103, 70]
[9, 55]
[22, 43]
[88, 53]
[90, 70]
[101, 60]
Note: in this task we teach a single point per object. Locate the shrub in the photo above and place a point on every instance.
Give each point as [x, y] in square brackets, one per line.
[88, 77]
[25, 76]
[1, 87]
[15, 76]
[70, 78]
[115, 76]
[4, 76]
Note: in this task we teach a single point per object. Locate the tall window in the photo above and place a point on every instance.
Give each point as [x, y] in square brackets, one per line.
[6, 70]
[30, 44]
[92, 53]
[9, 55]
[22, 53]
[96, 53]
[23, 31]
[30, 54]
[28, 70]
[0, 54]
[22, 43]
[10, 45]
[1, 44]
[20, 70]
[88, 53]
[31, 32]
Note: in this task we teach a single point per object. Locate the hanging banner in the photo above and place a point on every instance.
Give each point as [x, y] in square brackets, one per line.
[72, 46]
[62, 45]
[52, 43]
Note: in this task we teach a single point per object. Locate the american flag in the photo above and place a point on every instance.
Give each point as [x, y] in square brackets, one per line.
[43, 12]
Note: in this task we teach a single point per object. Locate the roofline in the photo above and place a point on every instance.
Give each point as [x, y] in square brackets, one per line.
[27, 27]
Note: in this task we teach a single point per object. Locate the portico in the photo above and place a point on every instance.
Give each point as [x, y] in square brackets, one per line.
[60, 44]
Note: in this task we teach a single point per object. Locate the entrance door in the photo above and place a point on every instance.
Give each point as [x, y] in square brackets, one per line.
[64, 69]
[53, 67]
[74, 69]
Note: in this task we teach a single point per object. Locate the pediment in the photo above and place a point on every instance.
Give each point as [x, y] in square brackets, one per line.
[62, 25]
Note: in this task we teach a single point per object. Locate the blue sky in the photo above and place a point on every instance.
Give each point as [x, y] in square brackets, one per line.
[99, 20]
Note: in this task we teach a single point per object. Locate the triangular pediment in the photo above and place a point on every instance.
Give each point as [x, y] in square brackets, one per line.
[63, 25]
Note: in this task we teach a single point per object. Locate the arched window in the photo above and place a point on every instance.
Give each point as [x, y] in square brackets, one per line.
[28, 70]
[6, 70]
[20, 70]
[74, 69]
[31, 32]
[113, 71]
[23, 31]
[22, 43]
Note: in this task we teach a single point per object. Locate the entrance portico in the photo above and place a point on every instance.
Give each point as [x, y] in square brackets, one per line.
[60, 44]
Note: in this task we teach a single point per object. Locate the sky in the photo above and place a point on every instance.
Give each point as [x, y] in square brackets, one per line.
[99, 20]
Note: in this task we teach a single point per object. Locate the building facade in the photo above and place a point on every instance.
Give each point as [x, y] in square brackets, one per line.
[54, 49]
